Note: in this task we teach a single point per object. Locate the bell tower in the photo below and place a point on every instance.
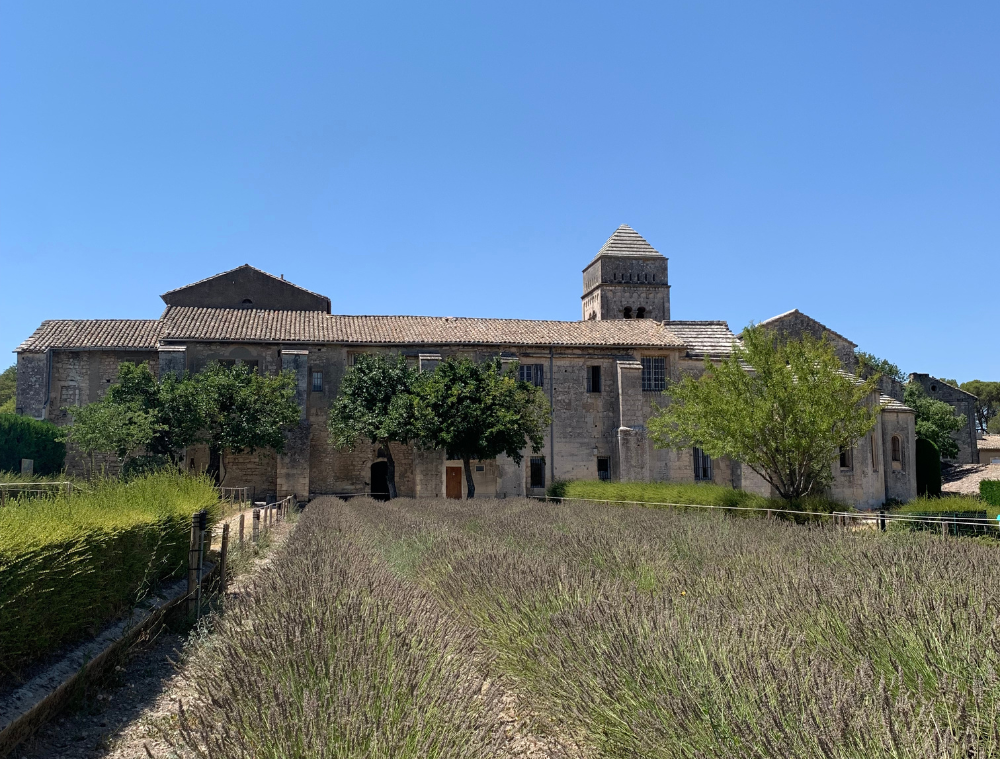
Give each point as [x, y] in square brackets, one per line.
[626, 280]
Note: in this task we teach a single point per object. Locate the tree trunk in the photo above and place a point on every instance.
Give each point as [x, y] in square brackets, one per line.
[390, 471]
[214, 463]
[470, 485]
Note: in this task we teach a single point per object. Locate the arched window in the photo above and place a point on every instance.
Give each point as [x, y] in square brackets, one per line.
[897, 452]
[628, 312]
[640, 313]
[247, 303]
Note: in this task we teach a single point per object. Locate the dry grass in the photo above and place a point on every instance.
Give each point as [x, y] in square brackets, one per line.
[650, 633]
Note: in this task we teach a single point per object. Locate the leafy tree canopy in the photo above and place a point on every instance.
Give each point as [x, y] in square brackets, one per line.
[479, 411]
[243, 410]
[118, 428]
[988, 403]
[936, 420]
[228, 408]
[870, 365]
[782, 409]
[375, 403]
[8, 390]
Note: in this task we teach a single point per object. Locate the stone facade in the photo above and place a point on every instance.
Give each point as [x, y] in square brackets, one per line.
[964, 404]
[602, 376]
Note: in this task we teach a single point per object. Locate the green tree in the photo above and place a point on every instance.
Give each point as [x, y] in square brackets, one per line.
[936, 420]
[176, 404]
[870, 365]
[229, 408]
[375, 403]
[782, 409]
[478, 411]
[243, 411]
[988, 401]
[109, 427]
[8, 389]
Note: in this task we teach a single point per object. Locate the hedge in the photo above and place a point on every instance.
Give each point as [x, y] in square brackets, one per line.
[989, 491]
[703, 494]
[71, 564]
[928, 468]
[25, 438]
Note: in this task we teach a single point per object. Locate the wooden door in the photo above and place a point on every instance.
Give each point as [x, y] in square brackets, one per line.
[453, 482]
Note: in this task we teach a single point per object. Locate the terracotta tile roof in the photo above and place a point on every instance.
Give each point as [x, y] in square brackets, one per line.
[704, 338]
[122, 334]
[989, 443]
[210, 324]
[626, 242]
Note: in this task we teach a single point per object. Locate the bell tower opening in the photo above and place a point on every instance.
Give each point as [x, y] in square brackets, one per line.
[627, 279]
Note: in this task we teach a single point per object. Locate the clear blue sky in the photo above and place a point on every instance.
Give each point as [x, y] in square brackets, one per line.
[470, 158]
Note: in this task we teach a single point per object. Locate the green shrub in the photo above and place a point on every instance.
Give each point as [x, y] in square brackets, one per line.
[928, 468]
[24, 438]
[989, 491]
[656, 492]
[70, 564]
[691, 494]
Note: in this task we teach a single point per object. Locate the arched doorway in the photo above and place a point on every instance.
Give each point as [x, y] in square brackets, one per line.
[380, 481]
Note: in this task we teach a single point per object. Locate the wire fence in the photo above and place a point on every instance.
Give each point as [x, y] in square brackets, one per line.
[14, 490]
[841, 518]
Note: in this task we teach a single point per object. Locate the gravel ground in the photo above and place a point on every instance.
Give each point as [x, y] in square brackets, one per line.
[964, 479]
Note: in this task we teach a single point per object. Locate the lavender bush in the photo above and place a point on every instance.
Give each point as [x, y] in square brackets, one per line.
[647, 633]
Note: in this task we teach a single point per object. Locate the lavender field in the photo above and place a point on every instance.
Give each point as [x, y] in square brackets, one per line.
[513, 628]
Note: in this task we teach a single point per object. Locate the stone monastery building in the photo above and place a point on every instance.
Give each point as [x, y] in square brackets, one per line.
[600, 374]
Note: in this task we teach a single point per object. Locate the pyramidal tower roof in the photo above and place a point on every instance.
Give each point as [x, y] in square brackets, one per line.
[627, 242]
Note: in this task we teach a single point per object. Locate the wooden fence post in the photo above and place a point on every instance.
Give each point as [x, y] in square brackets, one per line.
[944, 528]
[223, 556]
[242, 520]
[770, 513]
[881, 520]
[256, 525]
[193, 553]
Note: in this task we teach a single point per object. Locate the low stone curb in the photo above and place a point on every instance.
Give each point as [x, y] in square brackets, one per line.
[38, 700]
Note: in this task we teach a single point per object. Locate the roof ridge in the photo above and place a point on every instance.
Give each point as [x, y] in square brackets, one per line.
[237, 268]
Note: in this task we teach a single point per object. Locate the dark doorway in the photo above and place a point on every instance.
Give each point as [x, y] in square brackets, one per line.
[380, 481]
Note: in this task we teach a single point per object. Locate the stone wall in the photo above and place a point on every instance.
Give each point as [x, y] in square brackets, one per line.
[901, 478]
[613, 283]
[964, 403]
[795, 325]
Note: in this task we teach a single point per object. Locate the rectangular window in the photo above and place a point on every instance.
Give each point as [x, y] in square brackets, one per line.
[251, 365]
[532, 373]
[593, 379]
[603, 468]
[654, 374]
[229, 363]
[874, 454]
[846, 458]
[702, 465]
[480, 467]
[317, 382]
[538, 471]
